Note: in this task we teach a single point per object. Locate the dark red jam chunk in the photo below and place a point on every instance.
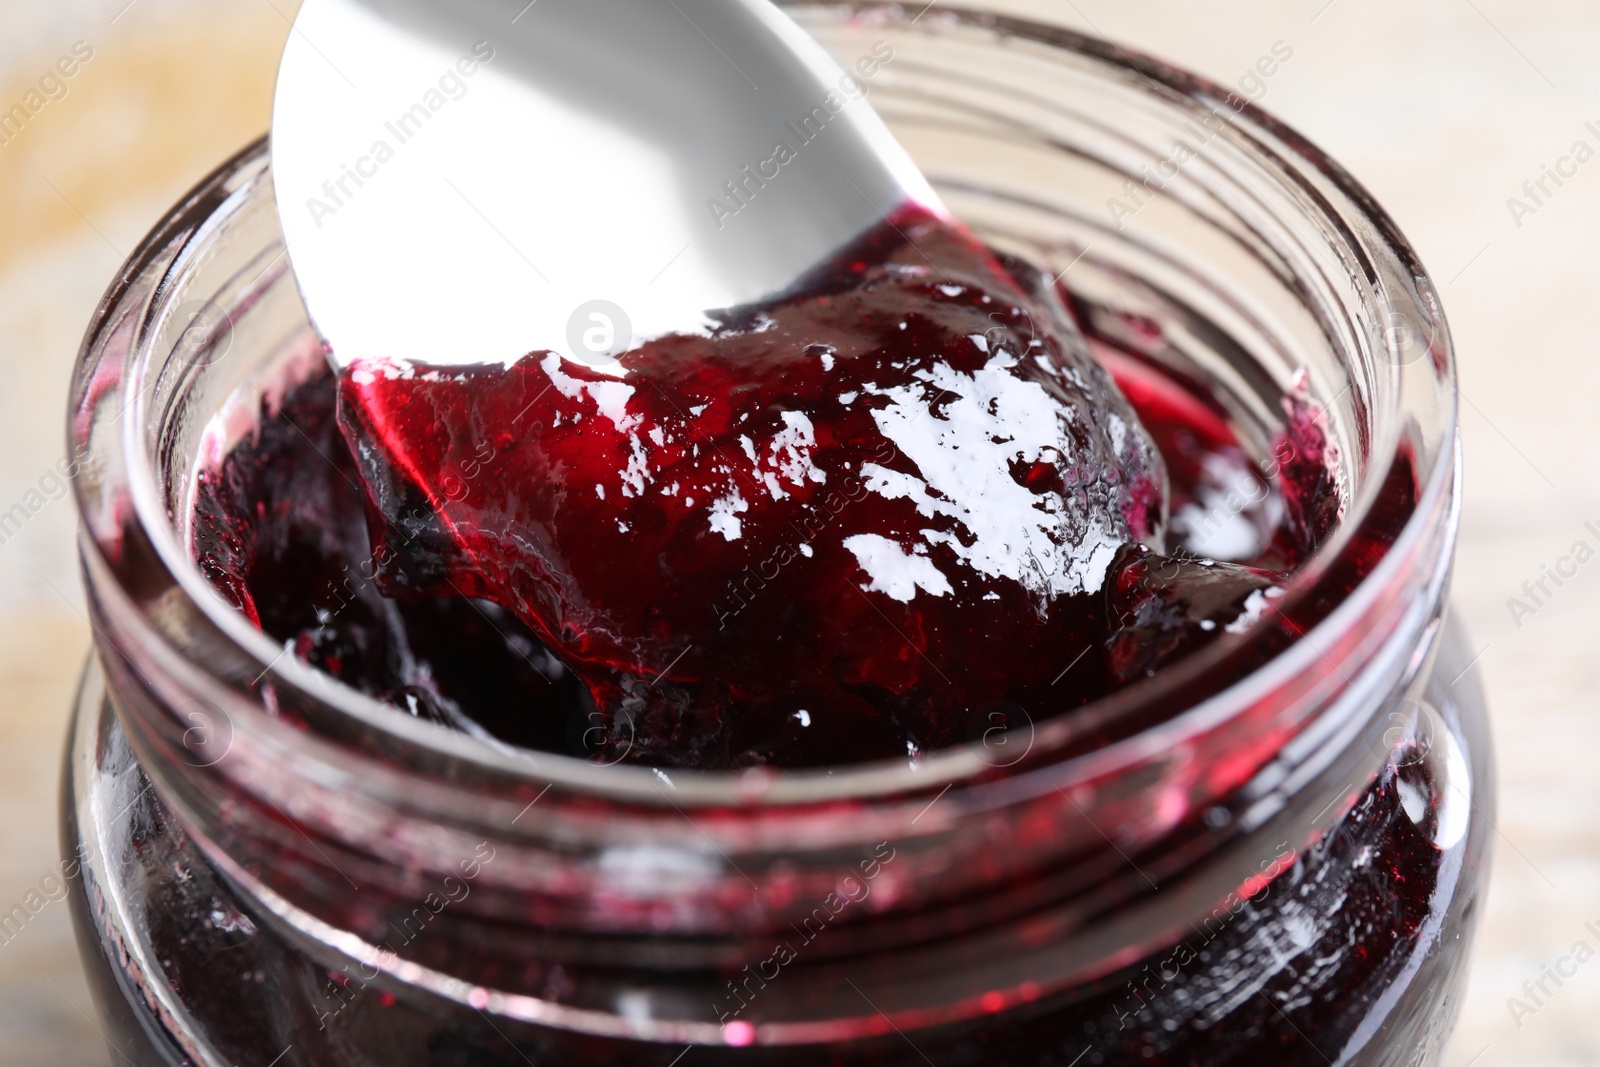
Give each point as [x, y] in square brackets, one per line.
[844, 523]
[847, 526]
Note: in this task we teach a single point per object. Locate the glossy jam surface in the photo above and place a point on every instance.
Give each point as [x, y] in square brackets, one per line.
[856, 524]
[279, 529]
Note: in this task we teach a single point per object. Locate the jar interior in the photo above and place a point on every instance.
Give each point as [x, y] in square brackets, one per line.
[1231, 272]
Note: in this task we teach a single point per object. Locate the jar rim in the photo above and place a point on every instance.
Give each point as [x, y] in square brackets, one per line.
[1427, 534]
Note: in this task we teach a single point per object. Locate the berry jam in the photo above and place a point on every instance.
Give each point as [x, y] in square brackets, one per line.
[390, 565]
[852, 525]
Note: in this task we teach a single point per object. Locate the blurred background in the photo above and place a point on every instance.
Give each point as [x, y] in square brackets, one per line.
[1444, 110]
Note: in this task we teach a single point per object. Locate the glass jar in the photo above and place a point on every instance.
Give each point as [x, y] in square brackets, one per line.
[1271, 852]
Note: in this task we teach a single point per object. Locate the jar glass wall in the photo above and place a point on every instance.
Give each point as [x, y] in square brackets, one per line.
[1272, 852]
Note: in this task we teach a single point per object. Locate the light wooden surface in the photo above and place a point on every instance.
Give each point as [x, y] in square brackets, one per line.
[1443, 109]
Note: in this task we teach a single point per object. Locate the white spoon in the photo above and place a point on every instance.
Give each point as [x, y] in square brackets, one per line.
[466, 181]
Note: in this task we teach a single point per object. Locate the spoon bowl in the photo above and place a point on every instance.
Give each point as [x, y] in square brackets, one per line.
[473, 181]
